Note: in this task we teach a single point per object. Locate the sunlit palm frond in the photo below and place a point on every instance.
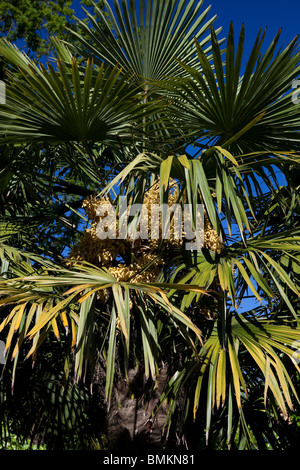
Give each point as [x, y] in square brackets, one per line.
[63, 299]
[220, 368]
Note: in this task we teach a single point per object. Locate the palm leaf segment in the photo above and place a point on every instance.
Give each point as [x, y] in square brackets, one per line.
[221, 371]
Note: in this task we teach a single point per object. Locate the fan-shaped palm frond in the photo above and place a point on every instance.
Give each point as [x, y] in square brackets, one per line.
[72, 103]
[146, 40]
[252, 112]
[222, 182]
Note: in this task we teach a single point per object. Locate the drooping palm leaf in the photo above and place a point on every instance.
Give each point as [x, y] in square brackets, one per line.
[264, 341]
[43, 306]
[221, 182]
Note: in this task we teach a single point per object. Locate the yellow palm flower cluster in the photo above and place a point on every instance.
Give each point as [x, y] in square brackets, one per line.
[137, 260]
[211, 238]
[141, 260]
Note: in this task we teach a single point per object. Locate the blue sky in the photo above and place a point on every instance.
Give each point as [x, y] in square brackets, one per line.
[274, 14]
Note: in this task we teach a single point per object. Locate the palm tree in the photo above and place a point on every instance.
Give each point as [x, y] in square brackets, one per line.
[163, 318]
